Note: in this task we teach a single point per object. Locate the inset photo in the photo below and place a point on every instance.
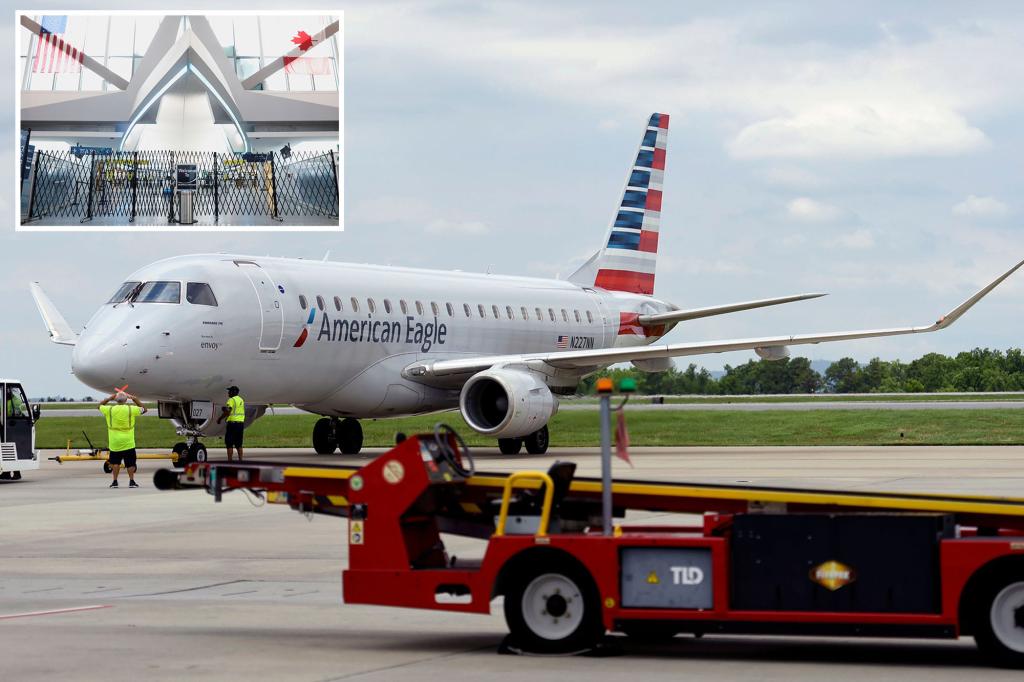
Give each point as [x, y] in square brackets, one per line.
[174, 121]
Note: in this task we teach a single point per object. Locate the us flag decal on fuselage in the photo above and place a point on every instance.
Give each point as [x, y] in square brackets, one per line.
[563, 342]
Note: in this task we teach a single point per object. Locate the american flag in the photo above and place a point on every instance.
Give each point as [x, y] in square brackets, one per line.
[53, 55]
[563, 342]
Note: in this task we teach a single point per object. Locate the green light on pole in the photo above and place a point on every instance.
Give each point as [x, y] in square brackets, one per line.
[627, 385]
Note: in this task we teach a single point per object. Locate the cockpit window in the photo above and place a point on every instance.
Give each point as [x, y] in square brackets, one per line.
[200, 293]
[122, 292]
[159, 292]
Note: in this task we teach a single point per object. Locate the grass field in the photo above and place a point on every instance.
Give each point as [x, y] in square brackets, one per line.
[712, 428]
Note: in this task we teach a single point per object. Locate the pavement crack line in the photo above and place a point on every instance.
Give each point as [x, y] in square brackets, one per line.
[398, 666]
[185, 589]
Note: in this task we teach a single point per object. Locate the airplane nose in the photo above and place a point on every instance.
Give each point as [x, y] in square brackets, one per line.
[100, 363]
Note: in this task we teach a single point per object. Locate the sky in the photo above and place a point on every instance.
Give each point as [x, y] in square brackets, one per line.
[869, 150]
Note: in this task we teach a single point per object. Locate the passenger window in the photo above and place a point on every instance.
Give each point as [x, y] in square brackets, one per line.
[565, 315]
[302, 302]
[199, 293]
[508, 311]
[337, 303]
[526, 315]
[159, 292]
[320, 302]
[494, 309]
[123, 291]
[387, 306]
[434, 309]
[419, 308]
[451, 310]
[590, 318]
[355, 304]
[371, 305]
[577, 314]
[551, 314]
[540, 315]
[404, 307]
[467, 309]
[480, 307]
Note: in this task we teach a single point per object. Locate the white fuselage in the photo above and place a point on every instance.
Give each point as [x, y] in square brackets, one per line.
[343, 352]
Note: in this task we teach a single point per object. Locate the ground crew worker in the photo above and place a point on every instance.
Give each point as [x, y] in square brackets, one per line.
[16, 407]
[234, 412]
[121, 433]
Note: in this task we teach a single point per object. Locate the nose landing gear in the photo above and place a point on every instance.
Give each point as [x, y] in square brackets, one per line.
[189, 452]
[331, 434]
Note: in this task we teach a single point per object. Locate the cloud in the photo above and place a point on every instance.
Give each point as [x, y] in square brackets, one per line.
[981, 207]
[858, 240]
[854, 130]
[793, 177]
[808, 210]
[457, 227]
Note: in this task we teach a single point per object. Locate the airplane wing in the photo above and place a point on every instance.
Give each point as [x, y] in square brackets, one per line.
[695, 313]
[605, 356]
[60, 330]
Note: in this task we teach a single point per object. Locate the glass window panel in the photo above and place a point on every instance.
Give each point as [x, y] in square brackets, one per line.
[276, 81]
[159, 292]
[123, 291]
[300, 83]
[96, 36]
[278, 32]
[91, 80]
[200, 293]
[247, 66]
[42, 81]
[247, 37]
[66, 81]
[122, 36]
[145, 29]
[221, 26]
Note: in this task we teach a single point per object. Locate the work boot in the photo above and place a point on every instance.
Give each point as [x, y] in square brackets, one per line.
[113, 484]
[133, 484]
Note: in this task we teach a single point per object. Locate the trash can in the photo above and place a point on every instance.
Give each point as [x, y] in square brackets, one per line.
[185, 207]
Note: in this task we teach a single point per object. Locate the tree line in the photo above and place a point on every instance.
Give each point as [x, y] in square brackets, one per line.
[980, 369]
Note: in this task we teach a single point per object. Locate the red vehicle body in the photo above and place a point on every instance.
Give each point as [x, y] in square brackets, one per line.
[566, 588]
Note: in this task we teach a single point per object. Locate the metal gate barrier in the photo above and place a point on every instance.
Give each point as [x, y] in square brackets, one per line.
[143, 184]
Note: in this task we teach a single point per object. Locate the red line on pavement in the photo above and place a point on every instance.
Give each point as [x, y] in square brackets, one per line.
[94, 607]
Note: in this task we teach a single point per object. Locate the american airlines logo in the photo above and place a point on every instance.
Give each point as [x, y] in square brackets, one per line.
[423, 334]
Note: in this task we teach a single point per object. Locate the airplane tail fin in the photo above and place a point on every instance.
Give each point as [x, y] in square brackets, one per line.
[627, 260]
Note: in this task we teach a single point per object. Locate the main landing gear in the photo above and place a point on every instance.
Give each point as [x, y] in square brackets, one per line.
[536, 443]
[331, 434]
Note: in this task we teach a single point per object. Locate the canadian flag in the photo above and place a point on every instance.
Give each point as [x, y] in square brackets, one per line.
[308, 66]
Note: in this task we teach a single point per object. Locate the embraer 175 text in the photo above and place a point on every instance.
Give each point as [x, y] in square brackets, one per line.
[360, 341]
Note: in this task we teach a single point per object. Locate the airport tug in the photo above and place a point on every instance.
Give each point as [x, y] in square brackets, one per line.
[18, 419]
[760, 560]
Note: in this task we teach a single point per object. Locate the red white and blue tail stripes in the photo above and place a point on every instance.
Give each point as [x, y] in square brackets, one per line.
[628, 259]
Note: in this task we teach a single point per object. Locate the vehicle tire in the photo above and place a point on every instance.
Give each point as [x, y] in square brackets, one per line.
[510, 446]
[325, 440]
[181, 450]
[537, 442]
[107, 468]
[16, 475]
[197, 453]
[350, 436]
[999, 620]
[553, 607]
[5, 476]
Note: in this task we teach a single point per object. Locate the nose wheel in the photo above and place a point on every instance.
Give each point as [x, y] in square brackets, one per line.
[192, 451]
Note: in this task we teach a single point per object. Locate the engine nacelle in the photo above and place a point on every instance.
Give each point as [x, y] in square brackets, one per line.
[773, 353]
[506, 403]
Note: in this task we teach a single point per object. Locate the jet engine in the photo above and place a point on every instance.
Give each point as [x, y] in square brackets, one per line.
[772, 353]
[506, 403]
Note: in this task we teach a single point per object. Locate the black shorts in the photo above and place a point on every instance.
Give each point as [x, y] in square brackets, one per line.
[233, 434]
[128, 456]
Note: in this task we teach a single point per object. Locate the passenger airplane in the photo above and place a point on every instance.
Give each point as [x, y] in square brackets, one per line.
[352, 342]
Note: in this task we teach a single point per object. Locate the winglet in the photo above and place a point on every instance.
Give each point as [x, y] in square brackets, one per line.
[60, 330]
[955, 314]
